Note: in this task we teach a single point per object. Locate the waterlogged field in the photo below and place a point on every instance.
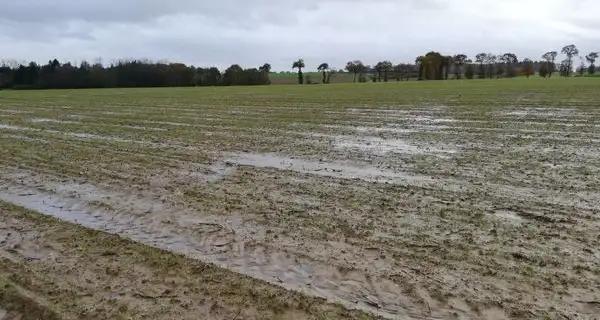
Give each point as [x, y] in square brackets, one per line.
[413, 200]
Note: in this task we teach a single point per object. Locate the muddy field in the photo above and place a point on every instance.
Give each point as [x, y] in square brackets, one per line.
[464, 200]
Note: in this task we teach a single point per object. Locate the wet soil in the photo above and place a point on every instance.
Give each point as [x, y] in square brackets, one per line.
[55, 270]
[405, 212]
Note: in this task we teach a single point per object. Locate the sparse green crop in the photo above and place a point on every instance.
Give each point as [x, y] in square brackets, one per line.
[457, 190]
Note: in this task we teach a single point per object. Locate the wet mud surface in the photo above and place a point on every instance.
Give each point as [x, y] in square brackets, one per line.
[405, 212]
[51, 269]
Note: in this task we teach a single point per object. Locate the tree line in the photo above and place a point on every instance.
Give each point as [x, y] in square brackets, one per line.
[432, 66]
[435, 66]
[134, 73]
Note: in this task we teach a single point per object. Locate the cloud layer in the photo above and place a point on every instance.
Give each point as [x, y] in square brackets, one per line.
[253, 32]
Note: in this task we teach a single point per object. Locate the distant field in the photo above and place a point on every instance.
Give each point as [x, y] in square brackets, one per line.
[410, 200]
[314, 77]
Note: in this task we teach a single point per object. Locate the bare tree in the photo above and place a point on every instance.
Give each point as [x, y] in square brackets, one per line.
[379, 69]
[446, 63]
[581, 69]
[481, 59]
[459, 61]
[543, 71]
[564, 68]
[570, 51]
[356, 67]
[510, 59]
[419, 64]
[591, 58]
[403, 71]
[528, 68]
[490, 61]
[387, 67]
[550, 58]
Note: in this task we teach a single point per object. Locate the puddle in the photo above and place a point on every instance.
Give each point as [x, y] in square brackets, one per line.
[138, 127]
[217, 172]
[368, 129]
[543, 112]
[229, 242]
[376, 145]
[546, 123]
[79, 116]
[13, 111]
[509, 216]
[504, 132]
[431, 119]
[91, 136]
[25, 138]
[16, 128]
[401, 112]
[388, 127]
[354, 171]
[45, 120]
[191, 175]
[338, 170]
[169, 123]
[114, 113]
[380, 146]
[370, 111]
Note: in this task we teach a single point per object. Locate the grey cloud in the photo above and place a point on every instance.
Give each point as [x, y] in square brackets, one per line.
[140, 10]
[253, 32]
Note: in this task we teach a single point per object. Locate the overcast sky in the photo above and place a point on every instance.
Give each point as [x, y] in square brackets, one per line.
[252, 32]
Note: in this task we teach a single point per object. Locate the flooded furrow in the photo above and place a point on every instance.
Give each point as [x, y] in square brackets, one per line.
[228, 242]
